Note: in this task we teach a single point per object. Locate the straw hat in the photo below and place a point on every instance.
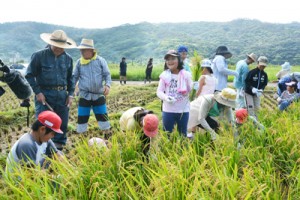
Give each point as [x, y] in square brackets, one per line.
[86, 44]
[226, 97]
[58, 39]
[253, 57]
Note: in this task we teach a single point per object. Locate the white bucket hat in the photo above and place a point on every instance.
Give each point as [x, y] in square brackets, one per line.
[58, 39]
[86, 44]
[205, 63]
[286, 66]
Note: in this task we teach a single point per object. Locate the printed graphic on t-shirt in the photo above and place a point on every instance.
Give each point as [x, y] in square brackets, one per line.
[255, 78]
[173, 90]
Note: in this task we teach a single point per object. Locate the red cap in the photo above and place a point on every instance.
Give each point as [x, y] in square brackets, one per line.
[150, 125]
[241, 115]
[51, 120]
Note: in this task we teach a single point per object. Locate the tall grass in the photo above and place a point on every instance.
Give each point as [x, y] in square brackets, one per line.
[266, 167]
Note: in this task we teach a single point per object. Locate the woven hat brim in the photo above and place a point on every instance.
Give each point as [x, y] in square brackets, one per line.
[69, 44]
[223, 101]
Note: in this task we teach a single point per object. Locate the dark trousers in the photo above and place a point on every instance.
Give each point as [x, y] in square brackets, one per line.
[57, 100]
[148, 76]
[170, 119]
[212, 123]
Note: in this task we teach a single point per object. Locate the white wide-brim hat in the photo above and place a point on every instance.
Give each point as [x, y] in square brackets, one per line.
[58, 39]
[86, 44]
[226, 97]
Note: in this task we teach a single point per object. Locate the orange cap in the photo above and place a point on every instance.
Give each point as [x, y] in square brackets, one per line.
[241, 115]
[150, 125]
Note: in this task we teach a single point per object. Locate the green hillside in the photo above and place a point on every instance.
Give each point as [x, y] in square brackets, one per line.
[279, 42]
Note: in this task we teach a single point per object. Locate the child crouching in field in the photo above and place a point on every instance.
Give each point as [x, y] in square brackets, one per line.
[140, 120]
[288, 96]
[242, 118]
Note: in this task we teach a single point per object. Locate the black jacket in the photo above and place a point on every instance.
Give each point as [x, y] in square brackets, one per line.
[256, 79]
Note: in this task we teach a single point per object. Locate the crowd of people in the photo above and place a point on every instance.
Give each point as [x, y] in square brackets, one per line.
[52, 78]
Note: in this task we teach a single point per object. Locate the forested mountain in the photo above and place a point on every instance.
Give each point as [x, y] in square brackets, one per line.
[279, 42]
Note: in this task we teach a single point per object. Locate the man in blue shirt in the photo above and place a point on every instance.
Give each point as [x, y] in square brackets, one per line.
[50, 75]
[242, 68]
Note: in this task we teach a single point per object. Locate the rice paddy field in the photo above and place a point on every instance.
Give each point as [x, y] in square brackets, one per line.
[137, 72]
[265, 167]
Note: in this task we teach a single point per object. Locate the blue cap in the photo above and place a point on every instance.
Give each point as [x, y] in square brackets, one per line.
[182, 49]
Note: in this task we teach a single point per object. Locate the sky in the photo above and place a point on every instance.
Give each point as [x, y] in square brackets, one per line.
[111, 13]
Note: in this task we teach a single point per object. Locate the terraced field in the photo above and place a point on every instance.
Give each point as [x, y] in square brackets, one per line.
[266, 167]
[13, 121]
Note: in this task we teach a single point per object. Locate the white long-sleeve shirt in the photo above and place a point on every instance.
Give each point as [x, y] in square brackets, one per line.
[221, 71]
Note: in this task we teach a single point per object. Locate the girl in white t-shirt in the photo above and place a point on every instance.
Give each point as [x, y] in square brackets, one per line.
[207, 82]
[174, 87]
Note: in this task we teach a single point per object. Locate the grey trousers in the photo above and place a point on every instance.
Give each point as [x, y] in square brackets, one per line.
[252, 103]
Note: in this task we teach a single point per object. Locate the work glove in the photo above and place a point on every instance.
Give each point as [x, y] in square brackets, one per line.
[259, 93]
[278, 99]
[214, 136]
[254, 90]
[170, 99]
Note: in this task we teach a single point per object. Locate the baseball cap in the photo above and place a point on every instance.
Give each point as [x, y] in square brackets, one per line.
[51, 120]
[263, 60]
[150, 125]
[205, 63]
[171, 53]
[292, 83]
[241, 115]
[182, 48]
